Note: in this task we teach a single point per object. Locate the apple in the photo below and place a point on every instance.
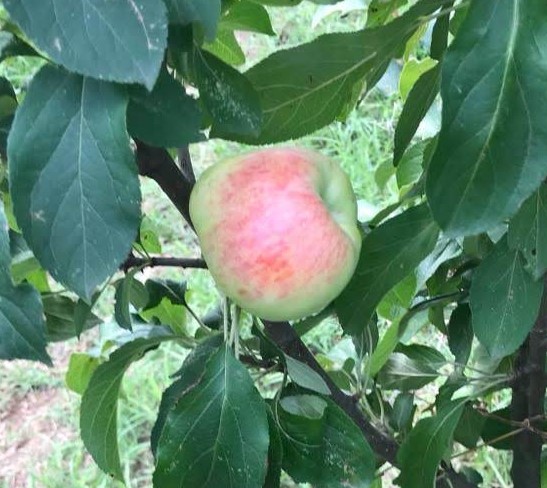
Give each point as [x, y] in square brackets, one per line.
[278, 230]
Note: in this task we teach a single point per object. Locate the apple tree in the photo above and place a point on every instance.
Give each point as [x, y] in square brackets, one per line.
[445, 311]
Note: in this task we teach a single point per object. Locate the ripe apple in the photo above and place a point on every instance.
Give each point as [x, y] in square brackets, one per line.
[278, 230]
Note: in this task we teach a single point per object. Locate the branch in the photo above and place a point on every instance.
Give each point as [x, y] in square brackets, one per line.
[158, 164]
[283, 334]
[528, 402]
[134, 262]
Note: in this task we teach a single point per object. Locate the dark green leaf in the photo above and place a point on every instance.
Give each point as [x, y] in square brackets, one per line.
[460, 333]
[491, 151]
[305, 377]
[22, 328]
[172, 290]
[302, 90]
[417, 104]
[80, 369]
[204, 12]
[248, 16]
[403, 412]
[82, 313]
[468, 430]
[322, 445]
[528, 232]
[497, 429]
[73, 177]
[430, 438]
[275, 455]
[115, 41]
[218, 430]
[166, 116]
[124, 297]
[389, 253]
[11, 46]
[228, 95]
[189, 376]
[99, 409]
[60, 312]
[439, 35]
[504, 301]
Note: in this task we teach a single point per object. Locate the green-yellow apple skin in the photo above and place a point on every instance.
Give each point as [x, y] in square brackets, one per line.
[278, 230]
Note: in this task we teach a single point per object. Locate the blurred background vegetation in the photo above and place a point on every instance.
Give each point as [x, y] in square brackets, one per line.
[39, 440]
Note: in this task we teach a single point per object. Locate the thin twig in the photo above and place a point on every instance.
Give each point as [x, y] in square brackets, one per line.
[151, 262]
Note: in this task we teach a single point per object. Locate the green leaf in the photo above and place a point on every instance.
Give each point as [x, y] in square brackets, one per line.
[22, 328]
[302, 90]
[80, 369]
[204, 12]
[491, 151]
[504, 301]
[189, 376]
[218, 430]
[99, 408]
[248, 16]
[279, 3]
[398, 299]
[228, 95]
[389, 253]
[148, 242]
[410, 166]
[379, 11]
[166, 116]
[116, 41]
[305, 377]
[169, 314]
[460, 333]
[411, 72]
[322, 445]
[60, 313]
[226, 47]
[23, 262]
[73, 177]
[419, 101]
[528, 232]
[409, 369]
[430, 438]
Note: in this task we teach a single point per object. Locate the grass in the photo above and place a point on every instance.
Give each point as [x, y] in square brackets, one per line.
[360, 143]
